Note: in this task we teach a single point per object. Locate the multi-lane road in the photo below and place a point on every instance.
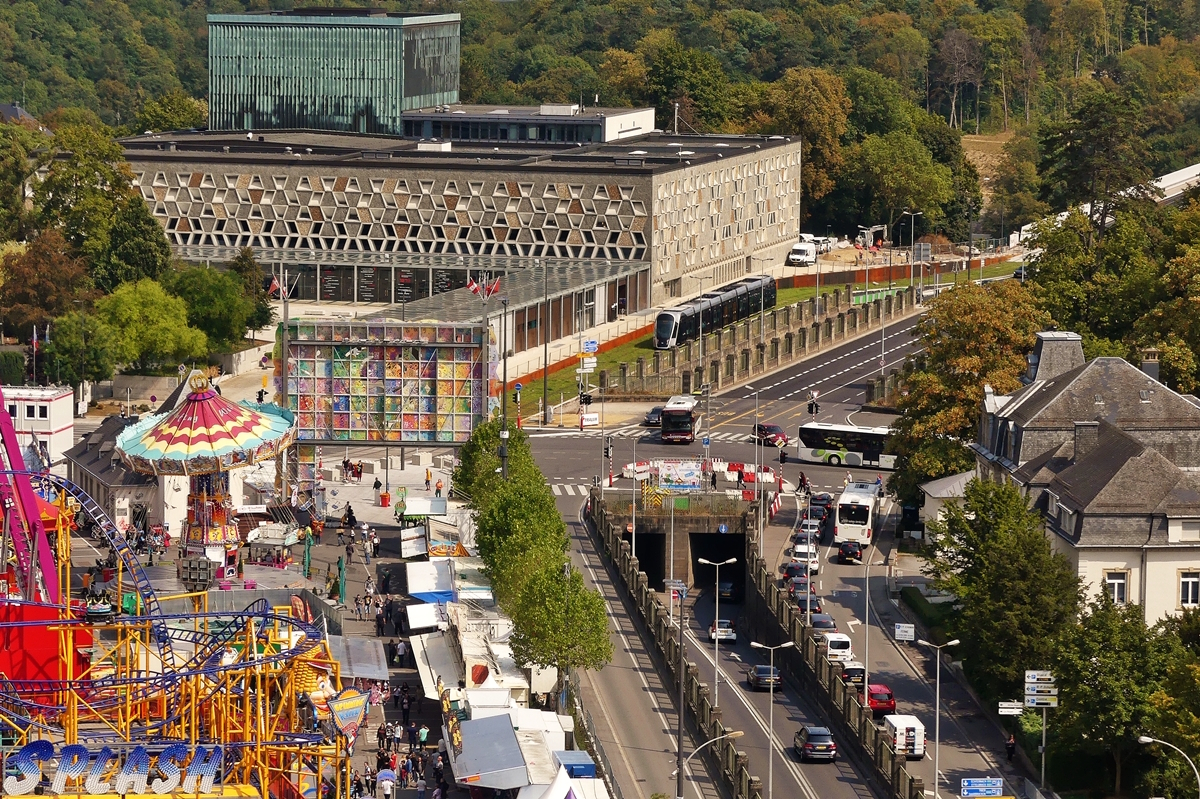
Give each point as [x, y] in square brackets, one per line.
[635, 713]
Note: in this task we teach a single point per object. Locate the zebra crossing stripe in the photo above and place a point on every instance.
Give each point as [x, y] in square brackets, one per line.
[557, 489]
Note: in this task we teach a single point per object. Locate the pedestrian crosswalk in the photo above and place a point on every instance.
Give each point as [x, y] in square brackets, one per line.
[569, 489]
[638, 432]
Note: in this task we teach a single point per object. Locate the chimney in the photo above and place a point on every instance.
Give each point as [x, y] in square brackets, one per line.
[1087, 435]
[1150, 362]
[1054, 353]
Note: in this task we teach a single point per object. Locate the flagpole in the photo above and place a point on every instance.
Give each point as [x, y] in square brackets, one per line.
[35, 354]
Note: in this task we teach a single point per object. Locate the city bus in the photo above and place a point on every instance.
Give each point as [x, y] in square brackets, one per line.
[856, 513]
[680, 419]
[844, 445]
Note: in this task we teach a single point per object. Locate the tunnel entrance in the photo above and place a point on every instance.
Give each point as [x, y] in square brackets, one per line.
[718, 548]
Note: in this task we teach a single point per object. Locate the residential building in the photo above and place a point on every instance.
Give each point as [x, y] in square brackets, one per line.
[43, 418]
[1111, 458]
[329, 68]
[129, 498]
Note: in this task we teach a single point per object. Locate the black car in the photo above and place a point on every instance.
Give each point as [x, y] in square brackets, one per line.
[824, 499]
[761, 677]
[850, 552]
[725, 589]
[854, 673]
[818, 513]
[792, 570]
[653, 417]
[815, 743]
[799, 584]
[809, 603]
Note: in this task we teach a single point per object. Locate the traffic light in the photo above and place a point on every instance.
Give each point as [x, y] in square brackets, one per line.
[585, 399]
[813, 408]
[608, 450]
[516, 396]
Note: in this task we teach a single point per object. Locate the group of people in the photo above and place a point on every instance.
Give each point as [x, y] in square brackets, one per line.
[437, 487]
[352, 471]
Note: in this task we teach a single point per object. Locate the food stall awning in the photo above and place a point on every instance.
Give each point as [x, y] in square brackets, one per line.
[430, 581]
[434, 659]
[491, 756]
[360, 658]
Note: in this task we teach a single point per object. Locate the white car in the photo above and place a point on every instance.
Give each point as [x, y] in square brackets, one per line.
[812, 527]
[810, 553]
[723, 629]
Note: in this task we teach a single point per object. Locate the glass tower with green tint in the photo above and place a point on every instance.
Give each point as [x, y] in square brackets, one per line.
[351, 70]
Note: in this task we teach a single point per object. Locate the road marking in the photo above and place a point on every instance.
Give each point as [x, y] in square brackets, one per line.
[556, 489]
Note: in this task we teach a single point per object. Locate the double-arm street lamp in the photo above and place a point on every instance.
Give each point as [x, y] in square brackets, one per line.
[716, 621]
[937, 709]
[771, 713]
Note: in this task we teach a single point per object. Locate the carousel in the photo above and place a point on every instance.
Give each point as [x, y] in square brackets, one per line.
[204, 439]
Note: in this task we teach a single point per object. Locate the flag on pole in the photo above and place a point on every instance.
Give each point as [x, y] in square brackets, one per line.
[473, 286]
[35, 340]
[492, 289]
[274, 287]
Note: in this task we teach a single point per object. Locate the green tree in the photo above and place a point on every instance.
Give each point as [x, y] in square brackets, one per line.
[897, 173]
[1108, 667]
[691, 77]
[477, 475]
[878, 105]
[1016, 594]
[83, 347]
[811, 103]
[150, 325]
[175, 110]
[18, 164]
[84, 183]
[972, 336]
[12, 368]
[560, 622]
[136, 247]
[250, 272]
[40, 283]
[1098, 157]
[216, 303]
[517, 530]
[1015, 189]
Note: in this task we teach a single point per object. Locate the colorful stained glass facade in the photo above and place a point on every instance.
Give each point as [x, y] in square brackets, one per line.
[375, 380]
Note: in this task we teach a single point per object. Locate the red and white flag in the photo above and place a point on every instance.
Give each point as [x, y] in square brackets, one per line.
[35, 340]
[492, 289]
[274, 287]
[473, 286]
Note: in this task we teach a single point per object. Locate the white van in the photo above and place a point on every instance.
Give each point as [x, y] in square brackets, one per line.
[803, 254]
[907, 734]
[837, 647]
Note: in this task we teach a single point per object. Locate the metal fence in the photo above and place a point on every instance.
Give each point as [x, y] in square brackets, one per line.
[594, 744]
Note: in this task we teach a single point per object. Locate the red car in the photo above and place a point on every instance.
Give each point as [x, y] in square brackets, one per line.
[881, 700]
[771, 434]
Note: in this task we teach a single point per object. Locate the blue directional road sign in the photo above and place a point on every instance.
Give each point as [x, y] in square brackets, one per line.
[968, 793]
[591, 345]
[983, 782]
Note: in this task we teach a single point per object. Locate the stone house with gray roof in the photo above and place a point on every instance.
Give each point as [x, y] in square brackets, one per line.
[1111, 457]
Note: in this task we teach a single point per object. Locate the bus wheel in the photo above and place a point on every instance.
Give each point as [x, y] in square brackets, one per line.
[834, 460]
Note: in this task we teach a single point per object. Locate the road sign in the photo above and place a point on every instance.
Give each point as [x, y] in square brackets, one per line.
[591, 345]
[906, 632]
[517, 387]
[922, 253]
[967, 793]
[1039, 676]
[1005, 709]
[182, 368]
[983, 782]
[722, 528]
[588, 363]
[1040, 689]
[584, 371]
[704, 441]
[1041, 701]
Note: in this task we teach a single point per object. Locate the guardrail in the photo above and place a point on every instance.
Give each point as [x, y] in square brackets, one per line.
[730, 765]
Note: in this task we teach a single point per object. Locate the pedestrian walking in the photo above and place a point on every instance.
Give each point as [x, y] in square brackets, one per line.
[405, 707]
[386, 787]
[438, 488]
[741, 475]
[397, 737]
[428, 478]
[423, 736]
[366, 547]
[401, 660]
[369, 586]
[378, 625]
[412, 736]
[1010, 746]
[375, 543]
[421, 786]
[714, 481]
[341, 535]
[358, 607]
[371, 781]
[349, 552]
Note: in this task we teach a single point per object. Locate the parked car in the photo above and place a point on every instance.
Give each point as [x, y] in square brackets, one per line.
[850, 552]
[821, 623]
[880, 699]
[771, 434]
[759, 678]
[723, 629]
[814, 743]
[653, 417]
[808, 554]
[854, 673]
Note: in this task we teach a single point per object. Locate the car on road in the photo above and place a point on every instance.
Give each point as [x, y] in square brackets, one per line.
[850, 552]
[760, 678]
[854, 673]
[800, 584]
[822, 498]
[808, 527]
[793, 569]
[723, 629]
[814, 743]
[725, 590]
[809, 603]
[880, 699]
[821, 623]
[805, 537]
[809, 554]
[1020, 273]
[653, 417]
[816, 513]
[771, 434]
[837, 647]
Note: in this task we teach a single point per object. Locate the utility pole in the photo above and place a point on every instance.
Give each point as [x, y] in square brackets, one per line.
[682, 680]
[546, 344]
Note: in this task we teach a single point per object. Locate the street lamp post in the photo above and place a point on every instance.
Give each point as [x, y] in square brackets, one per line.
[716, 618]
[1146, 739]
[867, 629]
[771, 715]
[937, 710]
[682, 681]
[678, 772]
[912, 233]
[758, 473]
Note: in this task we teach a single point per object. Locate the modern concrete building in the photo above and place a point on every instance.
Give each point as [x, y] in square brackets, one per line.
[1111, 457]
[381, 220]
[329, 69]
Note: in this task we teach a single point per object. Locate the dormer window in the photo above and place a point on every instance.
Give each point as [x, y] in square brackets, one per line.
[1051, 504]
